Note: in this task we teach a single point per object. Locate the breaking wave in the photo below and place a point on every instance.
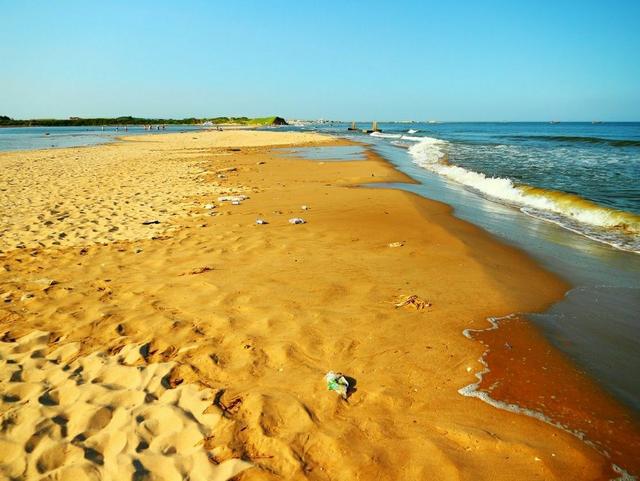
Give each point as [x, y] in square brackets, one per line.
[385, 136]
[382, 135]
[614, 227]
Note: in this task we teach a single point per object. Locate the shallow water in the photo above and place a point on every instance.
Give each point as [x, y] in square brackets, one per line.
[339, 154]
[28, 138]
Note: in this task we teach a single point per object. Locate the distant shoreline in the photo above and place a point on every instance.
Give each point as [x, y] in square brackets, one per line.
[117, 121]
[54, 137]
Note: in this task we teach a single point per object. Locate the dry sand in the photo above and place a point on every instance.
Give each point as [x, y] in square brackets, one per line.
[102, 417]
[69, 197]
[254, 315]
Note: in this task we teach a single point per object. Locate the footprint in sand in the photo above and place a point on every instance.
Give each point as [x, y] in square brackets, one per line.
[100, 417]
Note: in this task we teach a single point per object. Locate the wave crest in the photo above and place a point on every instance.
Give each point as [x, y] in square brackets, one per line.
[385, 136]
[617, 228]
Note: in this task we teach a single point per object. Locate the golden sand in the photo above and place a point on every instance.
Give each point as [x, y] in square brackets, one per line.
[66, 197]
[256, 315]
[102, 416]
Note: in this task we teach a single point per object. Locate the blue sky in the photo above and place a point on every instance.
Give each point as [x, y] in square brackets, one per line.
[401, 60]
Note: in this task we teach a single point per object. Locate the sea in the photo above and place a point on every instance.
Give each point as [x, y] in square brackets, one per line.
[567, 193]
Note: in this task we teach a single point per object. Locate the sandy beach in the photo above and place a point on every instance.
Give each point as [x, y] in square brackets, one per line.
[151, 329]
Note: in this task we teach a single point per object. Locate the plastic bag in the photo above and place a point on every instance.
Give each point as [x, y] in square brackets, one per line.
[338, 383]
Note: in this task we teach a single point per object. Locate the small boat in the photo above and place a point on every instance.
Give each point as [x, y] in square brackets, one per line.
[353, 126]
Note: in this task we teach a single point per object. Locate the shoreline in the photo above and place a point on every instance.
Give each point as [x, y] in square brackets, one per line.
[550, 388]
[398, 217]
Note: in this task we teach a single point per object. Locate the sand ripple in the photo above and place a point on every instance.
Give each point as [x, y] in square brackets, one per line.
[101, 417]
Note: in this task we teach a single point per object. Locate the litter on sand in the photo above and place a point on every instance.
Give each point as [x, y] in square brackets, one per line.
[412, 301]
[261, 221]
[197, 270]
[296, 220]
[305, 207]
[338, 383]
[396, 244]
[209, 206]
[235, 202]
[232, 198]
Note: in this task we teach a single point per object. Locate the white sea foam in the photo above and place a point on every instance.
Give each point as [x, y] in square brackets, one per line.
[385, 136]
[412, 131]
[624, 475]
[472, 390]
[400, 143]
[409, 137]
[429, 154]
[569, 211]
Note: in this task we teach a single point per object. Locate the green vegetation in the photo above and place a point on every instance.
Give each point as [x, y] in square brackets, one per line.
[248, 121]
[265, 121]
[128, 120]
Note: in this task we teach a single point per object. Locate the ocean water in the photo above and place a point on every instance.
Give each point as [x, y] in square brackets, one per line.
[485, 170]
[28, 138]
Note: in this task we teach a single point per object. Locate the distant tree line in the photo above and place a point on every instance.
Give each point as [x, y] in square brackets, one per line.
[128, 120]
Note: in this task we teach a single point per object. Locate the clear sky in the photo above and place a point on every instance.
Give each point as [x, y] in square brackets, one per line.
[393, 60]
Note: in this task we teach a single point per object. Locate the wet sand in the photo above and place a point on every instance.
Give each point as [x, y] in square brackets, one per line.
[527, 372]
[253, 316]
